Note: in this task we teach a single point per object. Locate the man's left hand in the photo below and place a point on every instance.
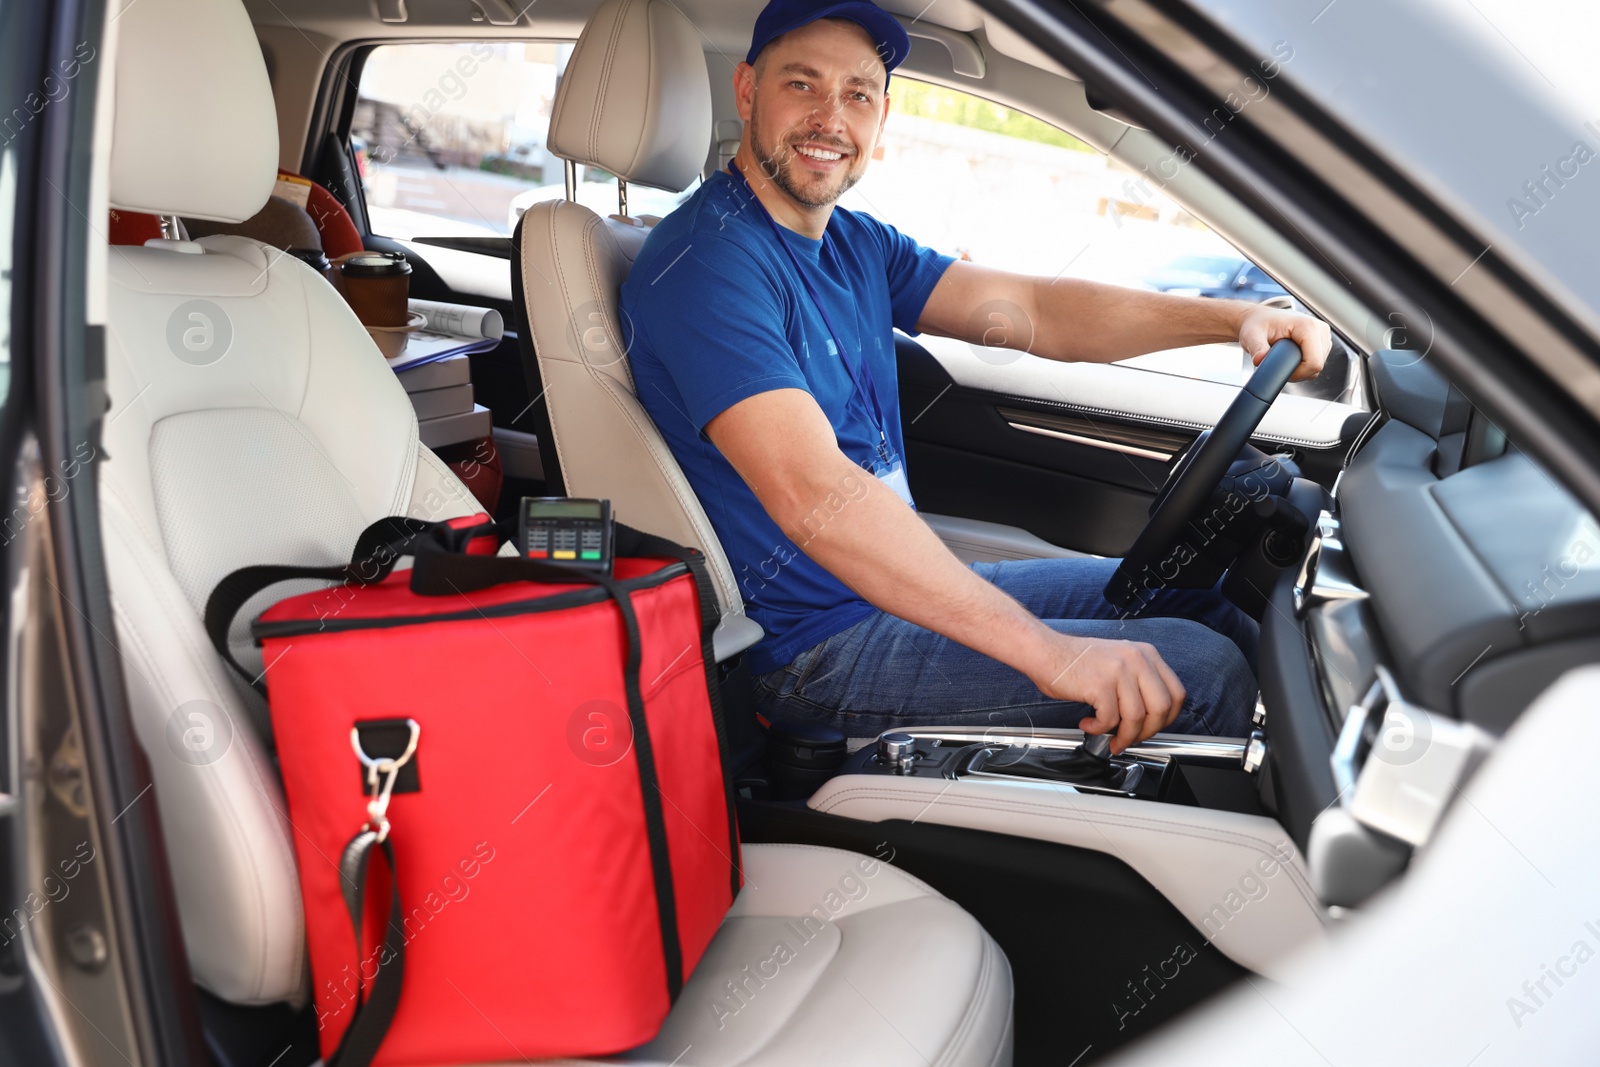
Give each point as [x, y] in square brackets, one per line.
[1262, 327]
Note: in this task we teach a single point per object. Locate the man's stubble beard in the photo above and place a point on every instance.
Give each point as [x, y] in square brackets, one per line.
[780, 171]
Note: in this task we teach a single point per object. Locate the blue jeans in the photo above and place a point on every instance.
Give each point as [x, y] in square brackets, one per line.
[885, 673]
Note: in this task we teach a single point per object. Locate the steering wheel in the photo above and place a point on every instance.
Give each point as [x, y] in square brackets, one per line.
[1196, 476]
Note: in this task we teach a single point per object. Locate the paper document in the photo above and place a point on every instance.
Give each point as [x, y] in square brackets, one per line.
[460, 319]
[452, 329]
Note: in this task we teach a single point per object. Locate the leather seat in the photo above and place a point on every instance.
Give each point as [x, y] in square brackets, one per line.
[910, 978]
[635, 100]
[252, 421]
[830, 957]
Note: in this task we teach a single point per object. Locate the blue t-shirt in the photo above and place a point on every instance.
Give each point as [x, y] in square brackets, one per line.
[713, 312]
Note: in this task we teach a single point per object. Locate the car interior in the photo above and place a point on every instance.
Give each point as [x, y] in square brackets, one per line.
[1220, 859]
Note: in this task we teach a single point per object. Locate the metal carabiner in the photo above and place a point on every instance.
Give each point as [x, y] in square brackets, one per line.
[389, 768]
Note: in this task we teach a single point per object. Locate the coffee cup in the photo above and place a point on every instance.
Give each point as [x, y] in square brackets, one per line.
[376, 285]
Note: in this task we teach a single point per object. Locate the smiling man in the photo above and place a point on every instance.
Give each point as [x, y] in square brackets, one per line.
[761, 326]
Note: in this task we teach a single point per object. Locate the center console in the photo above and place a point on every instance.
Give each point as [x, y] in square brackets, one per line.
[1160, 769]
[1181, 811]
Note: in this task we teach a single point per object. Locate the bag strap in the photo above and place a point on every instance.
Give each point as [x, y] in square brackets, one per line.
[631, 542]
[447, 574]
[369, 1024]
[378, 548]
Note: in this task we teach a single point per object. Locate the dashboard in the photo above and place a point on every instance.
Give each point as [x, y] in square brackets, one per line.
[1451, 563]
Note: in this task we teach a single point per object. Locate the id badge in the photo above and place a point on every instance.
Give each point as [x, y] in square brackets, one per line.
[895, 478]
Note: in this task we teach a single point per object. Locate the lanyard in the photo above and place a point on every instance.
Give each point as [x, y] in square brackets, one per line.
[868, 389]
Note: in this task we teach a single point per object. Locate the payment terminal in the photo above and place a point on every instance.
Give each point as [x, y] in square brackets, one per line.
[572, 531]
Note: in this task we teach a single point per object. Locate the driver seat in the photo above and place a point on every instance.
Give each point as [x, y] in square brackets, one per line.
[913, 980]
[634, 100]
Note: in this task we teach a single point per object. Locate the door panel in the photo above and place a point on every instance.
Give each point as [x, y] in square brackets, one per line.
[1074, 453]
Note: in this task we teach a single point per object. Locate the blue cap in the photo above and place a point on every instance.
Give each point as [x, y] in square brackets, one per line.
[781, 16]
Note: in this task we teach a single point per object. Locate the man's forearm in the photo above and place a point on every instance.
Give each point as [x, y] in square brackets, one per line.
[878, 547]
[1091, 322]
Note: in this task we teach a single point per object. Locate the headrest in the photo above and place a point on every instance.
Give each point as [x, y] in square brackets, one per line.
[196, 131]
[635, 98]
[280, 223]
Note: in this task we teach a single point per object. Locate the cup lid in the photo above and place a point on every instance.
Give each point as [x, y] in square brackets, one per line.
[374, 265]
[315, 257]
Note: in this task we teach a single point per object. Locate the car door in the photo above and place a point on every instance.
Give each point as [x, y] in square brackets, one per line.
[1072, 453]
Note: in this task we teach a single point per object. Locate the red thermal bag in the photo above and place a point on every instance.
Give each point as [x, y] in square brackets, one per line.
[535, 756]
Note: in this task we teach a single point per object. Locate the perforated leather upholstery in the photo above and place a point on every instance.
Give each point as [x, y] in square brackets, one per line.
[252, 421]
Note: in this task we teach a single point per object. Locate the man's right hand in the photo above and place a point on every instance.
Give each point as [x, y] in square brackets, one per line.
[1131, 688]
[852, 524]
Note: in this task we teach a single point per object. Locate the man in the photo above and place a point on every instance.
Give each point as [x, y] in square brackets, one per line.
[761, 323]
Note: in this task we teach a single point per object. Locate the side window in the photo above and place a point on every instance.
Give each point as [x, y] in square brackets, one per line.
[1256, 280]
[990, 184]
[450, 138]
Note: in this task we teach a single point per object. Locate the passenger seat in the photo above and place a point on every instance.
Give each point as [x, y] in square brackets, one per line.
[252, 421]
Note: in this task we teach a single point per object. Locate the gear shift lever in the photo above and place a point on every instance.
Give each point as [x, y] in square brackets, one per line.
[1097, 747]
[1088, 764]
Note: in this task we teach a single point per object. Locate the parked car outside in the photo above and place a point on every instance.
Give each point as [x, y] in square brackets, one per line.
[1227, 277]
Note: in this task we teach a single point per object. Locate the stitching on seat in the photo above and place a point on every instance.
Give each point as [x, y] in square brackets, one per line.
[1217, 835]
[587, 248]
[595, 119]
[207, 666]
[962, 1035]
[648, 435]
[449, 486]
[630, 408]
[651, 98]
[305, 317]
[156, 541]
[398, 495]
[406, 485]
[968, 1020]
[690, 509]
[1006, 1032]
[564, 299]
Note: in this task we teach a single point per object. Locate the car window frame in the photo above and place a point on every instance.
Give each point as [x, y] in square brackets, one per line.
[334, 117]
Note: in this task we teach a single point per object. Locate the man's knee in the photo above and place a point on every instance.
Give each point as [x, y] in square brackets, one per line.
[1217, 681]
